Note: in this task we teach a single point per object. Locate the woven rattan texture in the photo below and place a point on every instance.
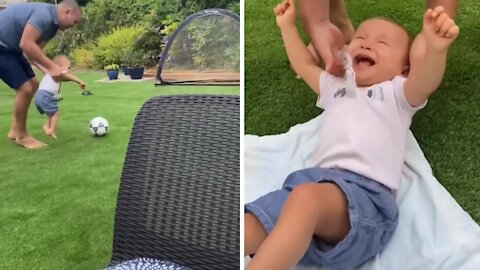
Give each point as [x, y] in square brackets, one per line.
[180, 187]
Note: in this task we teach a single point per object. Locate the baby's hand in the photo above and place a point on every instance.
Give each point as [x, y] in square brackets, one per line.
[285, 13]
[439, 29]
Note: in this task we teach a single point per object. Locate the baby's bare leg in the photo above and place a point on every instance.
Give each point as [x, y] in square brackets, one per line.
[51, 125]
[46, 126]
[254, 234]
[311, 209]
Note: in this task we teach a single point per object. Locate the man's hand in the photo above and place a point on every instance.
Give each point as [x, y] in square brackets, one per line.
[56, 72]
[439, 29]
[285, 13]
[329, 40]
[82, 84]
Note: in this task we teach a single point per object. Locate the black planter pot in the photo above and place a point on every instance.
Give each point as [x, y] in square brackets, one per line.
[126, 70]
[136, 73]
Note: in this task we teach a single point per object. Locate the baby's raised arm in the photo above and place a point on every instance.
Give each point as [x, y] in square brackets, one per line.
[439, 31]
[73, 78]
[300, 59]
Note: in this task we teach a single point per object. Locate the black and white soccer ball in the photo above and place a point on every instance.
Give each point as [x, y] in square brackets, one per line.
[98, 126]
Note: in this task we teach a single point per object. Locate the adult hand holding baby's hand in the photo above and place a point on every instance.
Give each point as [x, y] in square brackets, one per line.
[331, 38]
[56, 72]
[285, 13]
[439, 29]
[331, 46]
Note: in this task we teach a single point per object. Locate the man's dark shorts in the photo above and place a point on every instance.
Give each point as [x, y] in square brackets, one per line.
[14, 68]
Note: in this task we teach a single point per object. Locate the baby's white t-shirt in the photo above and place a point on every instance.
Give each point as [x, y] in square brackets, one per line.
[365, 134]
[49, 85]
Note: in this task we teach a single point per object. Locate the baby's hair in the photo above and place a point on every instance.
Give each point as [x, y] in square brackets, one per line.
[59, 58]
[410, 36]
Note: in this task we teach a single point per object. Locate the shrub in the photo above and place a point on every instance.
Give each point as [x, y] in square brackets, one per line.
[83, 58]
[136, 58]
[112, 47]
[51, 49]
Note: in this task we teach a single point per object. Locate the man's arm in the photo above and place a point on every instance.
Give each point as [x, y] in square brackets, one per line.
[449, 5]
[28, 43]
[439, 31]
[314, 12]
[326, 38]
[43, 69]
[300, 59]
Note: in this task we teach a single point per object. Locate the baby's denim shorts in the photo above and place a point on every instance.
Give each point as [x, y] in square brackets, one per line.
[46, 102]
[372, 208]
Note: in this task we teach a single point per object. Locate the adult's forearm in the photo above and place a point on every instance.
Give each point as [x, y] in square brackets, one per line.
[35, 54]
[449, 5]
[40, 67]
[314, 12]
[339, 15]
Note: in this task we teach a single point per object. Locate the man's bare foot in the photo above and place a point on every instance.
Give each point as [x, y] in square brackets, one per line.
[12, 135]
[53, 135]
[29, 142]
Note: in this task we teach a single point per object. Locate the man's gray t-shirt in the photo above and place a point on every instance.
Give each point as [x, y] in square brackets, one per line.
[13, 19]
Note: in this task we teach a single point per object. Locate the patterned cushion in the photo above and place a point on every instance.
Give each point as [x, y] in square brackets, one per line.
[147, 264]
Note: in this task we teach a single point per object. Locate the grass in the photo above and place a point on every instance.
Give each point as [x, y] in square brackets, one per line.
[447, 129]
[58, 203]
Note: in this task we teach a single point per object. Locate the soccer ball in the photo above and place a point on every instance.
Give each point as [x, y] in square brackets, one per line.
[98, 126]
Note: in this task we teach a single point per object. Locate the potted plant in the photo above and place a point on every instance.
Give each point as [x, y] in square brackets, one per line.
[137, 65]
[125, 66]
[112, 71]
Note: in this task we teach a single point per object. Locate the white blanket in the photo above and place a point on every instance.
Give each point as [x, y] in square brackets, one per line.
[434, 232]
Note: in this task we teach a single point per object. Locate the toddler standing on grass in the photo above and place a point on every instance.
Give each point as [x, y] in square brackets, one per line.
[46, 96]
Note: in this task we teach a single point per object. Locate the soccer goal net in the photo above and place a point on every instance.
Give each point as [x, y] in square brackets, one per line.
[205, 49]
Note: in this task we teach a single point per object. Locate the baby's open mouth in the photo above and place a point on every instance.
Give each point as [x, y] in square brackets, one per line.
[363, 60]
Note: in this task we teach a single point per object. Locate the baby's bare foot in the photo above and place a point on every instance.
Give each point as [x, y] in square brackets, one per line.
[29, 142]
[49, 132]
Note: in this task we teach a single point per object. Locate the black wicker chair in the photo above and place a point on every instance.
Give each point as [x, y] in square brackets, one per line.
[180, 186]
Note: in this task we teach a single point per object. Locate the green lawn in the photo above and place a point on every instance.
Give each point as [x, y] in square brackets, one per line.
[447, 129]
[57, 204]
